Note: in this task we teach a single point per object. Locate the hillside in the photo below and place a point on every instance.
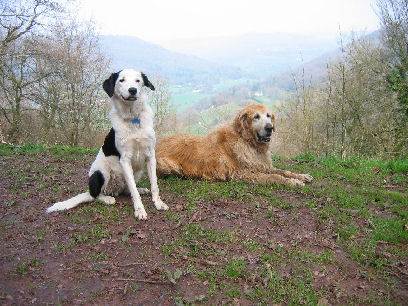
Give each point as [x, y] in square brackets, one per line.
[259, 54]
[178, 68]
[275, 87]
[341, 240]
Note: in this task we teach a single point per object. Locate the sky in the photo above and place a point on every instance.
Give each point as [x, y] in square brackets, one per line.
[167, 20]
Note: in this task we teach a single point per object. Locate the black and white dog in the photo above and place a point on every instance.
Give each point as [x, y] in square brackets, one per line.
[128, 149]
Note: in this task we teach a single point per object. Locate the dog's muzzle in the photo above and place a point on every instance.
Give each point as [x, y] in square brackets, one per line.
[132, 94]
[130, 98]
[268, 129]
[263, 138]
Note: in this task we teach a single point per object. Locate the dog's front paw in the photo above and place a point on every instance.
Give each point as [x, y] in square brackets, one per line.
[140, 213]
[143, 191]
[106, 199]
[295, 182]
[160, 205]
[307, 178]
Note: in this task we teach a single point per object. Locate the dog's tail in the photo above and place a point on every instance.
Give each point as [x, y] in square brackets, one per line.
[71, 203]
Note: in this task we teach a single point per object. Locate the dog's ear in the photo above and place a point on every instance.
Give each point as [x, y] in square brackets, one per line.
[146, 82]
[109, 84]
[241, 122]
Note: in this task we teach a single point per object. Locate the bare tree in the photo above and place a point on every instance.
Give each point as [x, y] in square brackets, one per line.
[354, 111]
[16, 76]
[71, 97]
[393, 15]
[17, 18]
[164, 114]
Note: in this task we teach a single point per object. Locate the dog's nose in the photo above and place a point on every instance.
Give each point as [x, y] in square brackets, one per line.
[133, 91]
[268, 128]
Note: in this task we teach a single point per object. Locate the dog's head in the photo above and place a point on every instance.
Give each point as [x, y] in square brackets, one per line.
[255, 123]
[126, 84]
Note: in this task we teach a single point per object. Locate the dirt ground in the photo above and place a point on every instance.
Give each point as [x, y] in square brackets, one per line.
[217, 247]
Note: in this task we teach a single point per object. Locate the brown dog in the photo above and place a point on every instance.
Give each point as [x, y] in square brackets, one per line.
[237, 151]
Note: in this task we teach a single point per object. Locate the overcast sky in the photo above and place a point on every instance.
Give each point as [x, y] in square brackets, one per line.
[162, 20]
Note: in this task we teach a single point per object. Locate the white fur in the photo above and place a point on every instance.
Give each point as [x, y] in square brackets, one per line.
[135, 143]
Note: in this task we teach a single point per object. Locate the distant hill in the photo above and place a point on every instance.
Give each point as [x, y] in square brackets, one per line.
[178, 68]
[259, 54]
[275, 87]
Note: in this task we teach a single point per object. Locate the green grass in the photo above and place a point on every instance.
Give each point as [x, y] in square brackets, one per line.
[25, 267]
[235, 269]
[393, 230]
[184, 97]
[57, 150]
[92, 235]
[358, 206]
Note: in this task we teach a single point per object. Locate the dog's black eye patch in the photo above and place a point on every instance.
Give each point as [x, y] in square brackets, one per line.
[257, 116]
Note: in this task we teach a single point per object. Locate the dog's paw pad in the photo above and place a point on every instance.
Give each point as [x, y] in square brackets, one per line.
[160, 205]
[140, 214]
[143, 191]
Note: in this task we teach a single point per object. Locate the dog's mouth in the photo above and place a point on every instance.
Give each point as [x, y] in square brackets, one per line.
[130, 98]
[263, 138]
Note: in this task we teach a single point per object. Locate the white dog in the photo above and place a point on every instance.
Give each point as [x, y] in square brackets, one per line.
[128, 149]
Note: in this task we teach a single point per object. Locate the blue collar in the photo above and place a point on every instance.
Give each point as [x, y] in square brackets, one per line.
[136, 120]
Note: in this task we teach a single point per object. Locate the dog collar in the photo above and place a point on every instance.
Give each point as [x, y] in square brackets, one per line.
[136, 120]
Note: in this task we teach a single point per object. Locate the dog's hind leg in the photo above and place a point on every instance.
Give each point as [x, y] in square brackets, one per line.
[166, 167]
[71, 203]
[96, 181]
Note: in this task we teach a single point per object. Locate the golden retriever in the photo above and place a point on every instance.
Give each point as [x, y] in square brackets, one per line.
[239, 150]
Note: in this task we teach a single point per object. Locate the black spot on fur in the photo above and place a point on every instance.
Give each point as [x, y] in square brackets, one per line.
[146, 82]
[109, 84]
[109, 147]
[96, 181]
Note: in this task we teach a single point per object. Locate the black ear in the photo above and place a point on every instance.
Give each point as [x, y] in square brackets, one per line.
[147, 82]
[109, 84]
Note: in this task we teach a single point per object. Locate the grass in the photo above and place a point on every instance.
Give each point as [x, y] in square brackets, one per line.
[357, 208]
[355, 193]
[92, 235]
[27, 266]
[32, 148]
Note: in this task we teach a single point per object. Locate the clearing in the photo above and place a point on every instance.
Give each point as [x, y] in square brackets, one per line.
[340, 240]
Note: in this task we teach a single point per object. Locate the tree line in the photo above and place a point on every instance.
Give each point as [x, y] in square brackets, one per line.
[361, 108]
[52, 68]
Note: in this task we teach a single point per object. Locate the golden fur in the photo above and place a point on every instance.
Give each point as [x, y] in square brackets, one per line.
[233, 152]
